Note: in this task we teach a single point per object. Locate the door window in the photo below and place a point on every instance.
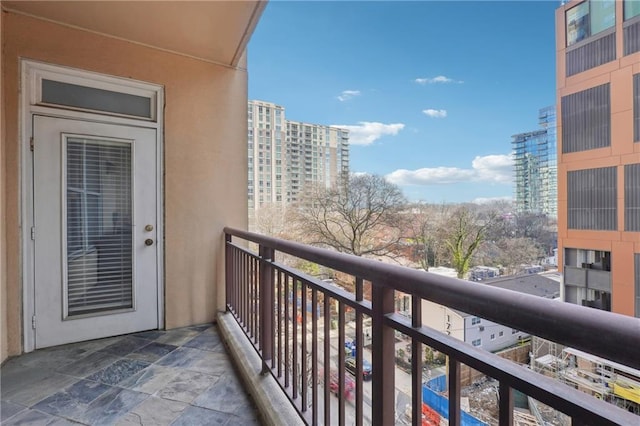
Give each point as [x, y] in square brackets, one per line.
[98, 226]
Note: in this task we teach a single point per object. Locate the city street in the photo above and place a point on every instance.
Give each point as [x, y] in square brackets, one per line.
[402, 384]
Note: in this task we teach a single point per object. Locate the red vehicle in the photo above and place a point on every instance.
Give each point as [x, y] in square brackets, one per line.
[349, 386]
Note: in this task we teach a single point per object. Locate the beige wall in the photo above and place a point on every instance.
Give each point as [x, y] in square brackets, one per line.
[3, 281]
[623, 150]
[204, 148]
[435, 316]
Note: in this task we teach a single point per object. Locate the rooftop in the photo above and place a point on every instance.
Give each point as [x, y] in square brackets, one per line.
[542, 285]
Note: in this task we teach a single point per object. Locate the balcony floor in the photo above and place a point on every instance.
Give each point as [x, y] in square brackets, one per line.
[179, 377]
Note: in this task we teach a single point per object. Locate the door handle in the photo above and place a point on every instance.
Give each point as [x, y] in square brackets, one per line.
[148, 242]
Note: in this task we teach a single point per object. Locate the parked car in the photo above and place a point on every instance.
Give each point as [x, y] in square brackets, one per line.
[349, 386]
[350, 364]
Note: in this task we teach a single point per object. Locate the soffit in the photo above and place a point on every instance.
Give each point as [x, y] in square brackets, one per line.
[215, 31]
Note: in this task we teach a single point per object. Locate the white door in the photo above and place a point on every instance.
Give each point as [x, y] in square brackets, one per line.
[95, 211]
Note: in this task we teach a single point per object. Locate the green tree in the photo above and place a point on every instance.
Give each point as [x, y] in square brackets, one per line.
[463, 234]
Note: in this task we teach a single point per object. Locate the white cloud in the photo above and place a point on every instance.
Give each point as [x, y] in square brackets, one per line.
[435, 113]
[494, 168]
[437, 79]
[366, 132]
[490, 169]
[348, 94]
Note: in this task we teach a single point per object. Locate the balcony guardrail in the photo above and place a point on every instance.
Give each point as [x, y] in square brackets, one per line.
[279, 309]
[590, 278]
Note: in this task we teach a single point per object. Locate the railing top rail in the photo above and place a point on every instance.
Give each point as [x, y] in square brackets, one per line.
[609, 335]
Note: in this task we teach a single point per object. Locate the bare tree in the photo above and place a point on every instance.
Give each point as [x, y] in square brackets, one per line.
[271, 219]
[423, 233]
[463, 234]
[517, 251]
[359, 216]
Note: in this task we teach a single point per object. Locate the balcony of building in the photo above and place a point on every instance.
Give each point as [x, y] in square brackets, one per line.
[299, 325]
[274, 355]
[282, 330]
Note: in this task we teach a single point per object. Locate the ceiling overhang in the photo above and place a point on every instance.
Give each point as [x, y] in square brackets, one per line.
[214, 31]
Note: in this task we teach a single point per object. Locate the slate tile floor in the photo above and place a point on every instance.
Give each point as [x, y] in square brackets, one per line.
[176, 377]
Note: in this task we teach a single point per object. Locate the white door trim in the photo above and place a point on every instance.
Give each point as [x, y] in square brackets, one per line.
[32, 73]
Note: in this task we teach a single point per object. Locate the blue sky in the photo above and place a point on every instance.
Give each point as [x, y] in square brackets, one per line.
[431, 91]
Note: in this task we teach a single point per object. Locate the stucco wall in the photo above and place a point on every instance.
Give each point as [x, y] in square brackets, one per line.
[205, 170]
[3, 281]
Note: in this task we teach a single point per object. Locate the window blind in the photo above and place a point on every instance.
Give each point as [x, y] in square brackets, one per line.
[98, 226]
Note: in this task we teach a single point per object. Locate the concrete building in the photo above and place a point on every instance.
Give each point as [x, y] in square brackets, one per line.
[536, 167]
[122, 149]
[598, 98]
[285, 156]
[483, 333]
[481, 273]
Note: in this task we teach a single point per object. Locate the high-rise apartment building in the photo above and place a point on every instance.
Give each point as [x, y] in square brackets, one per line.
[286, 156]
[536, 167]
[598, 97]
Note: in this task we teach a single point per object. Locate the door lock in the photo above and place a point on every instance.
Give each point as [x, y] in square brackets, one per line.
[148, 242]
[148, 228]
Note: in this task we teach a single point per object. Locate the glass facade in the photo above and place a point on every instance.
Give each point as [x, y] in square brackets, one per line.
[536, 167]
[589, 18]
[631, 9]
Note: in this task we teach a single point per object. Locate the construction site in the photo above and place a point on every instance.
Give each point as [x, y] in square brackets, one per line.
[601, 378]
[612, 382]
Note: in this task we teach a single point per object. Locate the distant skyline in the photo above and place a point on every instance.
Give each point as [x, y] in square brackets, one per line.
[431, 91]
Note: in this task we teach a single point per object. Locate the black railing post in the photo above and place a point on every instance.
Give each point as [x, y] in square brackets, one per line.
[359, 357]
[416, 363]
[266, 306]
[506, 404]
[383, 357]
[228, 276]
[454, 391]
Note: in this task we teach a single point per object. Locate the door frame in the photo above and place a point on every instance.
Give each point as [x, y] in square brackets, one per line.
[31, 75]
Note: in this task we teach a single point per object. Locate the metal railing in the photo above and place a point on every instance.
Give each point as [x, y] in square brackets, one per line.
[280, 309]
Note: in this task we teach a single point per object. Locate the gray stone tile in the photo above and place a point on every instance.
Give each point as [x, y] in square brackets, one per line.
[36, 418]
[201, 416]
[72, 402]
[177, 337]
[50, 358]
[126, 345]
[186, 386]
[118, 371]
[152, 352]
[245, 420]
[88, 365]
[9, 409]
[155, 382]
[28, 386]
[213, 363]
[226, 395]
[151, 379]
[201, 327]
[91, 345]
[150, 335]
[207, 340]
[111, 406]
[153, 411]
